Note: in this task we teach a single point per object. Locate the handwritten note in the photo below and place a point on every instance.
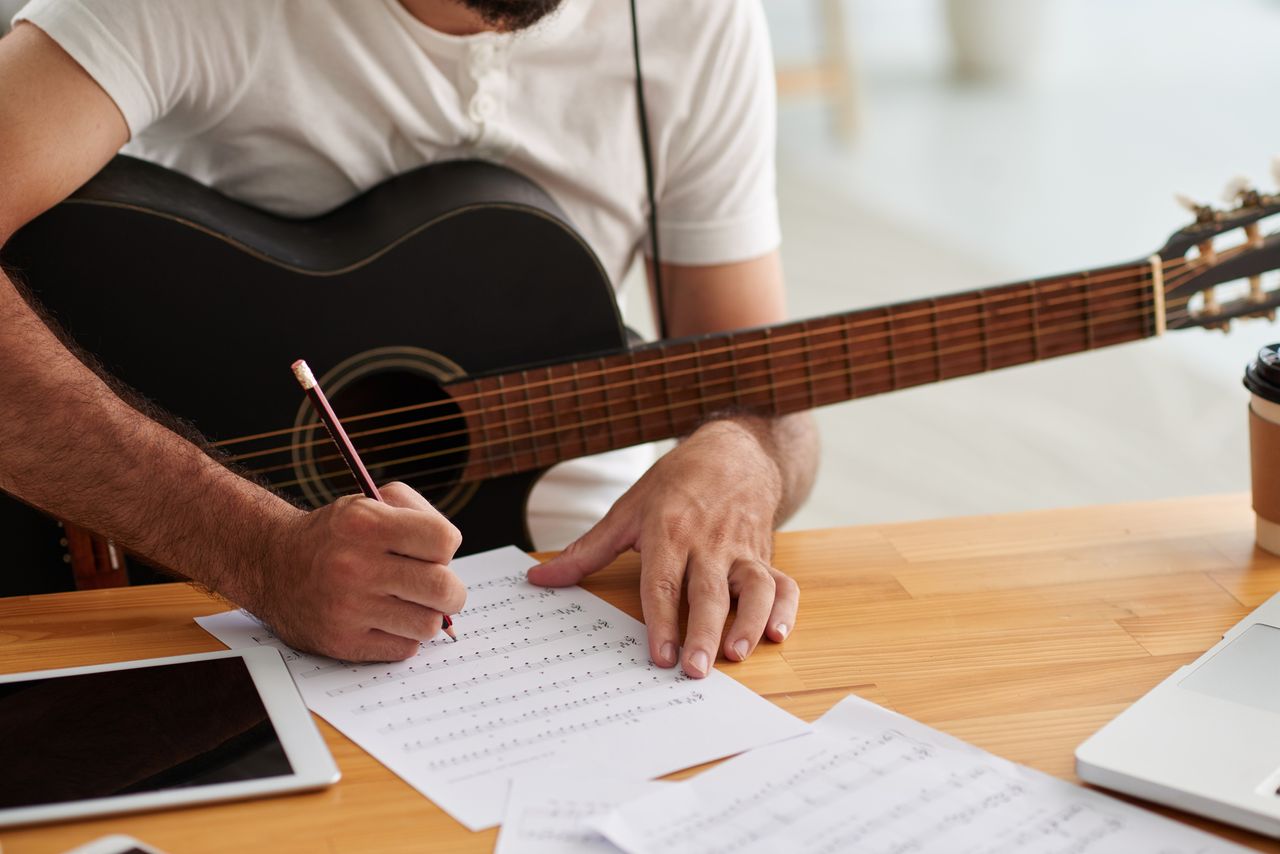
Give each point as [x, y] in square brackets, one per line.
[871, 780]
[538, 676]
[548, 814]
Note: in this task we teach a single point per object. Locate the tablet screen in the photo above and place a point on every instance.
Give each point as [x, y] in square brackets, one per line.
[145, 729]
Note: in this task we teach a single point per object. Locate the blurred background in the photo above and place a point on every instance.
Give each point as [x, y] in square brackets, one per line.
[931, 146]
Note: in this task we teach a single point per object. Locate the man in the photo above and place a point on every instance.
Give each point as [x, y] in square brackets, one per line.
[295, 106]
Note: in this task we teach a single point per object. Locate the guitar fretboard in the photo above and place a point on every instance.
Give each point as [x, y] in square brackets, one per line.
[534, 418]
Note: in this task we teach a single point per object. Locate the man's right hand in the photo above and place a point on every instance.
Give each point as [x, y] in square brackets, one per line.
[359, 580]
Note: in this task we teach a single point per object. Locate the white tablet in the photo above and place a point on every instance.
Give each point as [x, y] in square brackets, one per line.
[163, 732]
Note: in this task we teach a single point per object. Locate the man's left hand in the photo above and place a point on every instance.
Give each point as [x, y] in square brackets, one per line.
[702, 517]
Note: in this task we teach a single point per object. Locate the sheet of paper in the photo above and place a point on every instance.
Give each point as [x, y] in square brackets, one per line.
[870, 780]
[538, 676]
[548, 814]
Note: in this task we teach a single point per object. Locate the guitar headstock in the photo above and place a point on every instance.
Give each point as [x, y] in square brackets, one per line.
[1213, 268]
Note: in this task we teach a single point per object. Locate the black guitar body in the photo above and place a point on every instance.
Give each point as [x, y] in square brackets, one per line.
[457, 269]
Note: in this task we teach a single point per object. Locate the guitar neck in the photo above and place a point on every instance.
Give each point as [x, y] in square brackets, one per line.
[534, 418]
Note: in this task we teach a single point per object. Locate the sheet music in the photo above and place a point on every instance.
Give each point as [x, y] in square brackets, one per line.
[871, 780]
[548, 814]
[538, 676]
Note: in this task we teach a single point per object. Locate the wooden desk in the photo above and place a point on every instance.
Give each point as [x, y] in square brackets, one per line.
[1021, 633]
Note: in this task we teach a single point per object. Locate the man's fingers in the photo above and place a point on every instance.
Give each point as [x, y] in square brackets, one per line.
[593, 551]
[399, 494]
[378, 645]
[423, 534]
[786, 604]
[404, 619]
[708, 607]
[661, 580]
[428, 584]
[754, 584]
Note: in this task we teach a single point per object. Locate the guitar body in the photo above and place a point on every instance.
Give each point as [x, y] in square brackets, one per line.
[455, 270]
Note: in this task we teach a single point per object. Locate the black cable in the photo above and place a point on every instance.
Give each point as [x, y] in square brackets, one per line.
[660, 320]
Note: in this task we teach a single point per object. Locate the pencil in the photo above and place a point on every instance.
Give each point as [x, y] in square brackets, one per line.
[315, 394]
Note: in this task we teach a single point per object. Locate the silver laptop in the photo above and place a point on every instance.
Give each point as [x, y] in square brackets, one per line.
[1207, 739]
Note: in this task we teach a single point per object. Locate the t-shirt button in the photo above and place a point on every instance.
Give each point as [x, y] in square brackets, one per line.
[482, 56]
[483, 107]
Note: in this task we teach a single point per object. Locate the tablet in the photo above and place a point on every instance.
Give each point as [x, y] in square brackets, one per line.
[162, 732]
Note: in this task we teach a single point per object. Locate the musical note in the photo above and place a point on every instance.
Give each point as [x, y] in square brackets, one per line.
[536, 676]
[550, 814]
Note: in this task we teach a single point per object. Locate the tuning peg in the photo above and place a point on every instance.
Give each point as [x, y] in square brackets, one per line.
[1238, 191]
[1203, 212]
[1187, 202]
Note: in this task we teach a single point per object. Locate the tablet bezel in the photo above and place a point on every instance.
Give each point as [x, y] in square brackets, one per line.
[313, 765]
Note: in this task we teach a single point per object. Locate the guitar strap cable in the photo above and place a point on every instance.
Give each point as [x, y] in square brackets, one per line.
[659, 309]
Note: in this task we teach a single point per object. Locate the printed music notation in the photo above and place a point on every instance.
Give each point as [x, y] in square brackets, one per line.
[870, 780]
[550, 814]
[536, 676]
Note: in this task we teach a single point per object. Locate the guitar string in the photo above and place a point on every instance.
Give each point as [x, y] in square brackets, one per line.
[941, 317]
[637, 384]
[512, 454]
[769, 345]
[731, 364]
[770, 388]
[1048, 286]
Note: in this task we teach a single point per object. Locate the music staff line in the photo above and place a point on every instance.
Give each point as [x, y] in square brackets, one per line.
[498, 750]
[523, 667]
[453, 711]
[413, 671]
[858, 754]
[545, 712]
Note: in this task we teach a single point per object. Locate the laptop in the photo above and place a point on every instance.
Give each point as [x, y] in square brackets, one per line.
[1207, 739]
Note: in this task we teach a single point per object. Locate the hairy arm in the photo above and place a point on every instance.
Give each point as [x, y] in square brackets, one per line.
[740, 296]
[703, 517]
[358, 579]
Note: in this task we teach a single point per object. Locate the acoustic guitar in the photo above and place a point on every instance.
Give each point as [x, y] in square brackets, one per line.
[470, 339]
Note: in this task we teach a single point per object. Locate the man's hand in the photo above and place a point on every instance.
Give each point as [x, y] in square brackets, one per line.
[359, 580]
[702, 517]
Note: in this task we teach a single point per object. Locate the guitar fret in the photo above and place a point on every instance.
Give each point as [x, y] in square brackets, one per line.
[506, 421]
[771, 369]
[1035, 320]
[700, 380]
[665, 398]
[604, 404]
[807, 350]
[553, 416]
[845, 334]
[581, 419]
[983, 313]
[531, 429]
[937, 342]
[893, 360]
[635, 397]
[1087, 293]
[733, 374]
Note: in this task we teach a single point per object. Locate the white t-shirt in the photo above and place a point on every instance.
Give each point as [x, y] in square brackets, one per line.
[295, 106]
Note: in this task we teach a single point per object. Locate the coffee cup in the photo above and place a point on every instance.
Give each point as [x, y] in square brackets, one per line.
[1262, 378]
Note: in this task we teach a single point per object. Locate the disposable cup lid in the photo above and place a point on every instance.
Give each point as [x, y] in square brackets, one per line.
[1262, 377]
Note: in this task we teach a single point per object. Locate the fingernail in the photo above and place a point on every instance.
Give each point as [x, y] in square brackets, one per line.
[699, 662]
[782, 630]
[668, 653]
[740, 649]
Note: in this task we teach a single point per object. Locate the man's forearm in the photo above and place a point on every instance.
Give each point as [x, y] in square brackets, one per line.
[791, 443]
[71, 446]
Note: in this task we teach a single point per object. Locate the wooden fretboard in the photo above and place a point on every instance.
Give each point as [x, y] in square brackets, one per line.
[534, 418]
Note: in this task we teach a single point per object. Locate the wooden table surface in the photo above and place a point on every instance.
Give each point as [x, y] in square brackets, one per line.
[1021, 633]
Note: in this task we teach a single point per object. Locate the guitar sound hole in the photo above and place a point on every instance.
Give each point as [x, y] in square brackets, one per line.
[423, 445]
